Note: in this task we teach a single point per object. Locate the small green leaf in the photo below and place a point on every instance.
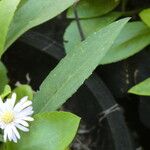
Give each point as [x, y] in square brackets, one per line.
[32, 13]
[1, 139]
[23, 90]
[49, 131]
[75, 68]
[7, 10]
[6, 92]
[88, 26]
[93, 8]
[145, 16]
[3, 77]
[142, 88]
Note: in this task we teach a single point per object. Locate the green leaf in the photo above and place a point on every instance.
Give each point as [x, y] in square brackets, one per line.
[145, 16]
[93, 8]
[133, 38]
[2, 146]
[49, 131]
[7, 10]
[1, 139]
[23, 90]
[142, 88]
[6, 91]
[75, 68]
[32, 13]
[3, 77]
[89, 26]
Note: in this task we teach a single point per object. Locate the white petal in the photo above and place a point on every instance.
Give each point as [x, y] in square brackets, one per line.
[7, 106]
[9, 130]
[22, 122]
[26, 104]
[1, 104]
[20, 107]
[12, 100]
[2, 125]
[28, 118]
[29, 108]
[16, 132]
[13, 97]
[20, 103]
[24, 99]
[22, 127]
[1, 101]
[24, 114]
[14, 138]
[5, 135]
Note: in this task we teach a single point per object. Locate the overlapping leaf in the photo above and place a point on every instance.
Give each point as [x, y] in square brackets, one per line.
[133, 38]
[145, 16]
[93, 8]
[31, 13]
[3, 77]
[7, 10]
[88, 26]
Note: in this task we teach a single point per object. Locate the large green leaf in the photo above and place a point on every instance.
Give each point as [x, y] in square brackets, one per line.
[7, 10]
[77, 66]
[49, 131]
[133, 38]
[93, 8]
[89, 26]
[145, 16]
[3, 77]
[142, 88]
[34, 12]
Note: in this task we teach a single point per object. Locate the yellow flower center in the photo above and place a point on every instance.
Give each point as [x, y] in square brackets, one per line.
[7, 117]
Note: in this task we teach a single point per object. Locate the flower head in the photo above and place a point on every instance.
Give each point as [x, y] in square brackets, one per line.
[15, 116]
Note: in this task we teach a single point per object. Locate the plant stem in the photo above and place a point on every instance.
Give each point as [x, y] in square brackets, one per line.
[78, 23]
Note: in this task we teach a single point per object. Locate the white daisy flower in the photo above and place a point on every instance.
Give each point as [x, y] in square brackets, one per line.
[15, 116]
